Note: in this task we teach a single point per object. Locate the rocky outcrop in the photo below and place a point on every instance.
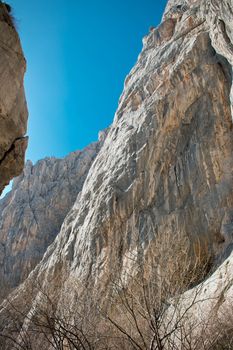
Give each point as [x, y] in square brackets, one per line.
[31, 215]
[13, 109]
[219, 17]
[166, 164]
[208, 310]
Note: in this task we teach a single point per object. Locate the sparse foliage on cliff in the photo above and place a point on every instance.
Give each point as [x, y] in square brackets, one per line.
[45, 325]
[146, 302]
[146, 307]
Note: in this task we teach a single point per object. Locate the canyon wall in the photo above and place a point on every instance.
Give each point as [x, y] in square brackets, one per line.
[166, 162]
[13, 108]
[165, 166]
[31, 215]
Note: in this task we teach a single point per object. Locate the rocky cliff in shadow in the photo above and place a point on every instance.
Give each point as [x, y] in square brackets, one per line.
[165, 166]
[13, 108]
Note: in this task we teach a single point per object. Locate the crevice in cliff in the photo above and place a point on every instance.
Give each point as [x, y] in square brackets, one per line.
[222, 26]
[226, 68]
[12, 147]
[229, 8]
[30, 206]
[8, 48]
[177, 178]
[189, 30]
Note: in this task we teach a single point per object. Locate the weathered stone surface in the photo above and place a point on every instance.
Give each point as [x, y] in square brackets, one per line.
[210, 317]
[13, 109]
[166, 164]
[31, 215]
[219, 16]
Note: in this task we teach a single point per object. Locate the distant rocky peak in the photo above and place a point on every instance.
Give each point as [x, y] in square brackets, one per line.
[31, 214]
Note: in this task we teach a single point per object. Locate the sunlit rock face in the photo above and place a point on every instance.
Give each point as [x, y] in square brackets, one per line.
[31, 215]
[13, 109]
[166, 164]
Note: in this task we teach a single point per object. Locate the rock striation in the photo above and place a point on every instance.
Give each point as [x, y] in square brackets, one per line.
[13, 108]
[166, 164]
[31, 215]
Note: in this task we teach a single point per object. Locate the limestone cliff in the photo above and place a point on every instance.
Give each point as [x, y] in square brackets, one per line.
[13, 109]
[166, 164]
[31, 215]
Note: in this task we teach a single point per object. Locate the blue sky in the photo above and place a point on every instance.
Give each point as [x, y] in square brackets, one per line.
[78, 54]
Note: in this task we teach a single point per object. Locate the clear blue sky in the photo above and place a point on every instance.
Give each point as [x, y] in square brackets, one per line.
[78, 54]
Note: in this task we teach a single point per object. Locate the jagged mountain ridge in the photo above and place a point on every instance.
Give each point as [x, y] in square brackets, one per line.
[166, 164]
[31, 215]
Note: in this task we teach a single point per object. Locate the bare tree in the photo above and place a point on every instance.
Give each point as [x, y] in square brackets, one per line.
[145, 303]
[218, 335]
[47, 324]
[146, 306]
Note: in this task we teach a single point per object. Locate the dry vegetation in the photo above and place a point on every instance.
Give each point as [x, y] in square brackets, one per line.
[143, 308]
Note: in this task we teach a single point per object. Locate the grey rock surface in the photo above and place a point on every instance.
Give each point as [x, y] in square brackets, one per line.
[166, 164]
[13, 108]
[31, 215]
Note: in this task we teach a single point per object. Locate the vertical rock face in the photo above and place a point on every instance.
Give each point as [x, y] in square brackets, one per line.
[166, 164]
[31, 215]
[13, 109]
[219, 16]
